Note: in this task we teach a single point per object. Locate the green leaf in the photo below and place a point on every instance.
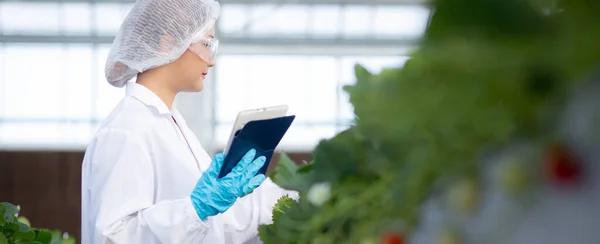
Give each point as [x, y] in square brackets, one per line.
[283, 204]
[23, 227]
[343, 157]
[15, 230]
[24, 220]
[25, 235]
[27, 242]
[3, 239]
[69, 240]
[293, 226]
[306, 168]
[287, 175]
[11, 210]
[56, 237]
[43, 236]
[361, 73]
[8, 233]
[268, 234]
[290, 223]
[2, 211]
[14, 227]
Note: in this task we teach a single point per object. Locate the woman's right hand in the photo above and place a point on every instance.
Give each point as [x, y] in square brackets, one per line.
[212, 195]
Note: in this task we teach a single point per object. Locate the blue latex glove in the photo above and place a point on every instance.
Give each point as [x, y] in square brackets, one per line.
[212, 195]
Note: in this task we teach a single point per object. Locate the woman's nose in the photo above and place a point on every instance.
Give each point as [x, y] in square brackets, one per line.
[212, 63]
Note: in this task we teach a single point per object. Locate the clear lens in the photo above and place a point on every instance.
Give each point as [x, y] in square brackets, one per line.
[214, 48]
[206, 49]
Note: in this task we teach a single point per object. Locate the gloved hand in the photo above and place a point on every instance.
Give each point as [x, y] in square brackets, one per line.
[212, 195]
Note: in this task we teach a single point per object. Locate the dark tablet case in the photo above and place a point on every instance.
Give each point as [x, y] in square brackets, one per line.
[261, 135]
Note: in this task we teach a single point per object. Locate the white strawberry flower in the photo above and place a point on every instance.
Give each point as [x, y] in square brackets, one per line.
[319, 193]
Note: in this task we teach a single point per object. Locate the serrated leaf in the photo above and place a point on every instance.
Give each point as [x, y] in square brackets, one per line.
[287, 176]
[291, 226]
[283, 204]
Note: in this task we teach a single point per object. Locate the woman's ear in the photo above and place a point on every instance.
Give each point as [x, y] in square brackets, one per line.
[166, 43]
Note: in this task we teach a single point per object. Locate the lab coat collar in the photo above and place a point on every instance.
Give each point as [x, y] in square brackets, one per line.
[147, 97]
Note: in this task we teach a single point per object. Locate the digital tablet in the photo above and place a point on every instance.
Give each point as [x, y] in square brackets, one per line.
[246, 116]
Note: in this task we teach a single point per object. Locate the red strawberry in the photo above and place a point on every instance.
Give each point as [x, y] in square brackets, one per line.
[392, 238]
[562, 166]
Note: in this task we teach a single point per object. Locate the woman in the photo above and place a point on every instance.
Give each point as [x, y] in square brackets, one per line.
[145, 178]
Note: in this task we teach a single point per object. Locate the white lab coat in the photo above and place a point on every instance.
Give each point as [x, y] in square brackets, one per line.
[137, 176]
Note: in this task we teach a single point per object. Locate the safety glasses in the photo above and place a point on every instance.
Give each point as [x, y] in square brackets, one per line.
[206, 49]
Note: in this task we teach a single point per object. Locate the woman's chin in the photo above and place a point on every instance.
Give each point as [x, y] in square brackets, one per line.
[197, 86]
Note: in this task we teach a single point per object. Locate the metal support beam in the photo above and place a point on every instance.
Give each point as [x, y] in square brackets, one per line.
[277, 2]
[261, 46]
[56, 39]
[223, 38]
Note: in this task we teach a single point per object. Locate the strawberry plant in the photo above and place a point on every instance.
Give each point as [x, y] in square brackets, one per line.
[15, 229]
[486, 94]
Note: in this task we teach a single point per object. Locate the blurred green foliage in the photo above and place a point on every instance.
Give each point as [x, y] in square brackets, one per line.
[16, 230]
[488, 72]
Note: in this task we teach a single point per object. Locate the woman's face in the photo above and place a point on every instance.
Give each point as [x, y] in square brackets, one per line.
[194, 64]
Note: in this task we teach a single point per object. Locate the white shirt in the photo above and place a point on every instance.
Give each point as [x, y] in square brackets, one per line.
[137, 176]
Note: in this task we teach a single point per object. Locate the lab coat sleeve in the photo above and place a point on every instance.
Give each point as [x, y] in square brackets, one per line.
[122, 190]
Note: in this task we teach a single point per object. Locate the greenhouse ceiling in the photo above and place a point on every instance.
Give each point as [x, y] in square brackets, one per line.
[369, 2]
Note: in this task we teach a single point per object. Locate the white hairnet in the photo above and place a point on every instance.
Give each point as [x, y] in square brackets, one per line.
[155, 33]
